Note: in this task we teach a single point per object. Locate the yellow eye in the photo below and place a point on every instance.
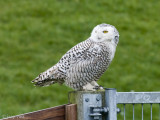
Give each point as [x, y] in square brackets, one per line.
[105, 31]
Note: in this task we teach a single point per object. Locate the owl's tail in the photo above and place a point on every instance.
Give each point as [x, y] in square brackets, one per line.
[46, 78]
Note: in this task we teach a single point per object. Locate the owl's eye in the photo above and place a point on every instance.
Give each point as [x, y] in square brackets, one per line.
[105, 31]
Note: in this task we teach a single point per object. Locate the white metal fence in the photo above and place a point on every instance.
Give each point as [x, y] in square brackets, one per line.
[132, 99]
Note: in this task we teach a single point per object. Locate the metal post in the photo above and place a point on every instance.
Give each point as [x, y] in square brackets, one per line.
[89, 104]
[110, 98]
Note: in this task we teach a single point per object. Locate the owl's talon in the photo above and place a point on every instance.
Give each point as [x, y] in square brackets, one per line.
[98, 88]
[101, 87]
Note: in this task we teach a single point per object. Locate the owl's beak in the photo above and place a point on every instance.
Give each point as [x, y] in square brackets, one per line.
[99, 38]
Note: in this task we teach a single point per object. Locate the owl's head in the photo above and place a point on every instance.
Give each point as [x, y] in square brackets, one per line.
[105, 33]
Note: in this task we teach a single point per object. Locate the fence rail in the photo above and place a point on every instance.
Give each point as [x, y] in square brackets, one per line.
[138, 97]
[63, 112]
[98, 105]
[132, 98]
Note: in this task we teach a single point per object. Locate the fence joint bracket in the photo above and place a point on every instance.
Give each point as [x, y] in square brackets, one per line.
[92, 107]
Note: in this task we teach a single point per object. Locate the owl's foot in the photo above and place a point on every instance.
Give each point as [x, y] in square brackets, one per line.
[98, 88]
[93, 86]
[88, 87]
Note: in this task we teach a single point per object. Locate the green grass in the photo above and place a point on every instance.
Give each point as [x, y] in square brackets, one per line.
[34, 34]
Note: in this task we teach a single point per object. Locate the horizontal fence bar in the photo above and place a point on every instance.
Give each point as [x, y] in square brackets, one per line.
[53, 113]
[137, 97]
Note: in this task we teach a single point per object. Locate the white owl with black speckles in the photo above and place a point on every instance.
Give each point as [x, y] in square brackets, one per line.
[84, 64]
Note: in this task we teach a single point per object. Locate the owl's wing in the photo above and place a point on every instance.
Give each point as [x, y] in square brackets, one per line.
[83, 65]
[57, 73]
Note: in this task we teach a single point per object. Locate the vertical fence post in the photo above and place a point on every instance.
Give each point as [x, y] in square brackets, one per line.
[110, 98]
[85, 100]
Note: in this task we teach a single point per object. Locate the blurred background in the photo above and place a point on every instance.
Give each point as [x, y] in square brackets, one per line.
[34, 34]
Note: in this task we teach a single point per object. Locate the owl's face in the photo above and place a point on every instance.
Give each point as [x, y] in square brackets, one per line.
[105, 33]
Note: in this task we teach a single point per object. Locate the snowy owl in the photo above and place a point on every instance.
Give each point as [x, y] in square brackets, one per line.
[84, 64]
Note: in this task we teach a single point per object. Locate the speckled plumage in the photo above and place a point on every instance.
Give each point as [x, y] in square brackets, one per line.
[85, 62]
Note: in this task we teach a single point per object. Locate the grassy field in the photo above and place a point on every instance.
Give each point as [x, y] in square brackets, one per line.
[34, 34]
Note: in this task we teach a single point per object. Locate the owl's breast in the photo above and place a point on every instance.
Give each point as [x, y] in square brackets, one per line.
[108, 52]
[112, 50]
